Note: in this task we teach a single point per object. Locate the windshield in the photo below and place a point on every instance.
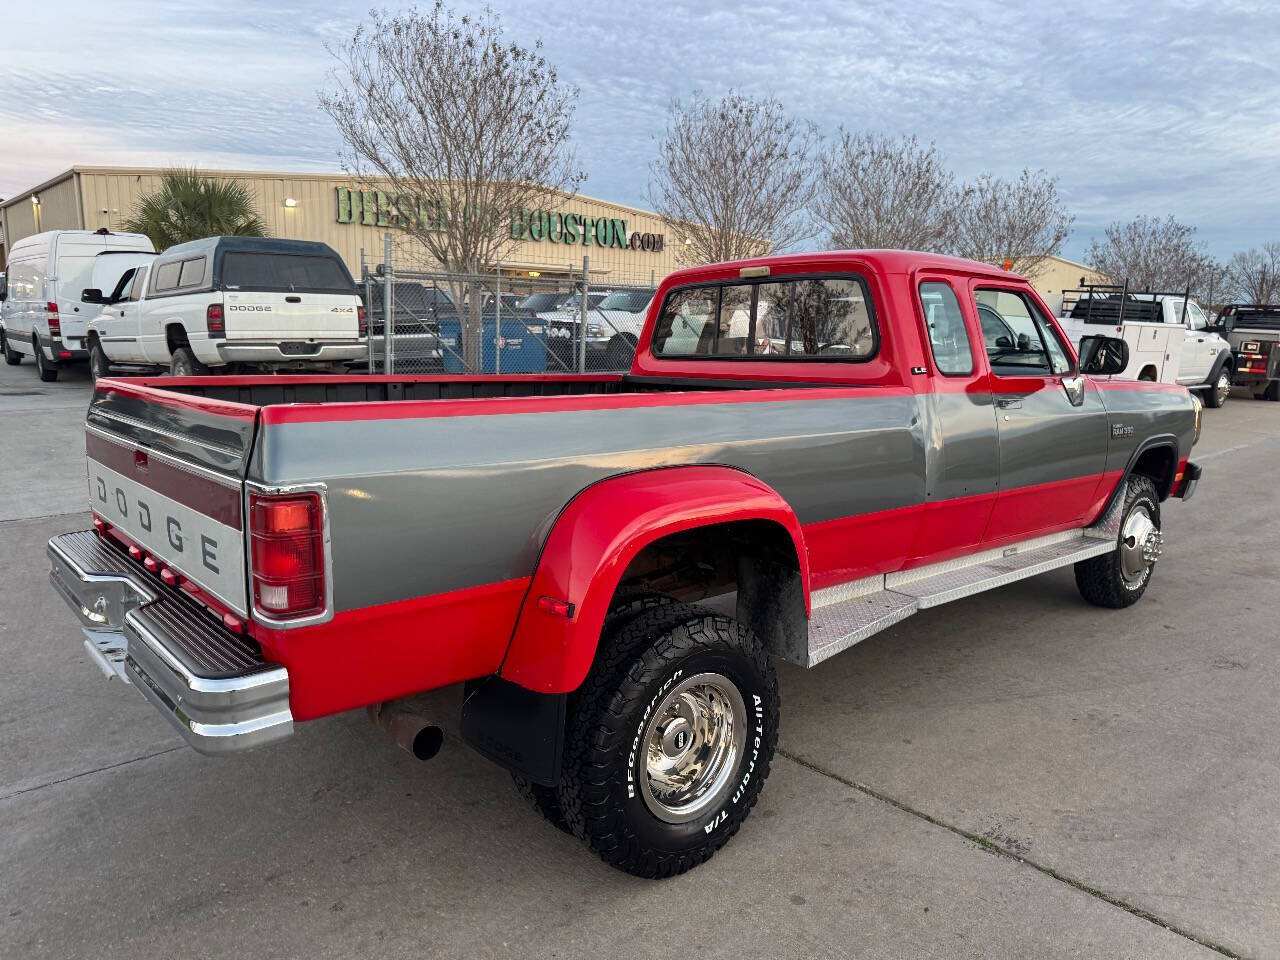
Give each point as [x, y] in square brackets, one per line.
[541, 302]
[285, 271]
[632, 301]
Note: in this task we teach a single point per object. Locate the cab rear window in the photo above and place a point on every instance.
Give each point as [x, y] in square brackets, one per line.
[291, 272]
[775, 318]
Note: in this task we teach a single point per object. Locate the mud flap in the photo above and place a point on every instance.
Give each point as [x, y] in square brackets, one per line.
[514, 727]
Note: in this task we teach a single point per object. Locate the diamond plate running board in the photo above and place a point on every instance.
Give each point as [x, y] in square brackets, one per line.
[847, 614]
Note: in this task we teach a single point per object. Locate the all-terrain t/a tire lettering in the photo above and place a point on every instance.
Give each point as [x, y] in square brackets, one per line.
[618, 734]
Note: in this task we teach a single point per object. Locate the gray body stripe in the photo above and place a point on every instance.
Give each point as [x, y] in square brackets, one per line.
[422, 506]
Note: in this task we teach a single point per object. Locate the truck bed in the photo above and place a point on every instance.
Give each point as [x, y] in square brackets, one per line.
[268, 390]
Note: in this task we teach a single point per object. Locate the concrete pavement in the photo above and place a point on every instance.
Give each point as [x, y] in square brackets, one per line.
[1017, 774]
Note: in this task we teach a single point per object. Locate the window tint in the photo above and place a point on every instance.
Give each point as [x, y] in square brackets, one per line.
[167, 276]
[139, 283]
[1196, 319]
[947, 334]
[735, 321]
[1017, 336]
[192, 273]
[284, 271]
[686, 326]
[784, 318]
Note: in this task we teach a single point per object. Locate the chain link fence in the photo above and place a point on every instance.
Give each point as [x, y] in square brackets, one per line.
[504, 322]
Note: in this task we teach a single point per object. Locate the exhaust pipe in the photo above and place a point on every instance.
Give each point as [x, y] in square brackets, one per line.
[412, 731]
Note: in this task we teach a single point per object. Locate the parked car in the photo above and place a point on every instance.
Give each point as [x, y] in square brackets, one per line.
[266, 551]
[230, 304]
[43, 315]
[1169, 336]
[1253, 330]
[415, 325]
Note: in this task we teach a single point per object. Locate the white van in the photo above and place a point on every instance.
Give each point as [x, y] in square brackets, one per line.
[43, 315]
[230, 304]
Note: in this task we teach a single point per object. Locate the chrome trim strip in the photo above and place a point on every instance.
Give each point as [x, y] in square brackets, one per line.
[213, 445]
[326, 535]
[177, 463]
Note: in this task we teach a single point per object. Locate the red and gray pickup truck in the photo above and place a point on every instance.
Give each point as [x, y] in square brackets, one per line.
[807, 449]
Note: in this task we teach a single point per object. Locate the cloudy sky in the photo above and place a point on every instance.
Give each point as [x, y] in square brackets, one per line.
[1156, 108]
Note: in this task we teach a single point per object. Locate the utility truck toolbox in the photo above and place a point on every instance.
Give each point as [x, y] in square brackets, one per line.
[819, 444]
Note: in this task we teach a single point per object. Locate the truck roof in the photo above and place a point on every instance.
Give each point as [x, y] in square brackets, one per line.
[882, 261]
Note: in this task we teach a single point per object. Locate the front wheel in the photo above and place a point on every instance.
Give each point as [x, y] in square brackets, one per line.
[183, 363]
[1119, 578]
[99, 366]
[1217, 395]
[11, 356]
[667, 757]
[46, 368]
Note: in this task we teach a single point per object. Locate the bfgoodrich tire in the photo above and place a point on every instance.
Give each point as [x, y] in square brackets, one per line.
[665, 759]
[1119, 579]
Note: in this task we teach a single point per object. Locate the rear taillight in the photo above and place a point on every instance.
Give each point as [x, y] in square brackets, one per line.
[55, 321]
[214, 322]
[286, 537]
[363, 319]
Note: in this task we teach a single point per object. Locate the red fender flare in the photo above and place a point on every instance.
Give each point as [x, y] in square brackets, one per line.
[597, 536]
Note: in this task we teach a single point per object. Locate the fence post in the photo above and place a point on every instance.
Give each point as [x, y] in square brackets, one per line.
[388, 361]
[497, 320]
[582, 326]
[366, 294]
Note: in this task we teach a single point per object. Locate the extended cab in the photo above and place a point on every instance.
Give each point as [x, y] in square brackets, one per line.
[806, 450]
[230, 304]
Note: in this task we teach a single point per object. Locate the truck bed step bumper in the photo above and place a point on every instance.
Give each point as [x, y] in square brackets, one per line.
[852, 612]
[213, 685]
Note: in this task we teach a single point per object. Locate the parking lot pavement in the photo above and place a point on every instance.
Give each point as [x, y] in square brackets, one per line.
[1011, 775]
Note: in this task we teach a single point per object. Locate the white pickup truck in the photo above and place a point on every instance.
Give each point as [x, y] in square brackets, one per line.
[1168, 335]
[230, 304]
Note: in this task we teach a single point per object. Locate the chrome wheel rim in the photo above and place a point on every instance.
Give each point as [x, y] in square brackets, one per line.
[1140, 544]
[692, 744]
[1223, 389]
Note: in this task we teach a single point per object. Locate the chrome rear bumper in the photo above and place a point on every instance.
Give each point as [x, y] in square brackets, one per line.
[213, 685]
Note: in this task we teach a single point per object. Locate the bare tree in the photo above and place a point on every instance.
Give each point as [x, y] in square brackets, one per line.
[458, 126]
[1254, 275]
[1154, 254]
[874, 191]
[1021, 222]
[733, 178]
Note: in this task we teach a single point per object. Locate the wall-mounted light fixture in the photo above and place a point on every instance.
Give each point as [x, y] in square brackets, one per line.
[290, 202]
[35, 199]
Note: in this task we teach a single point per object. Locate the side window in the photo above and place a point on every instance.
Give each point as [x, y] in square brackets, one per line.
[774, 317]
[192, 274]
[948, 337]
[139, 284]
[1196, 319]
[686, 326]
[167, 276]
[1018, 338]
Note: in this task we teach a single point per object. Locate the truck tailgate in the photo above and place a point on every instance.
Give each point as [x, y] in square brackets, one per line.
[167, 471]
[291, 316]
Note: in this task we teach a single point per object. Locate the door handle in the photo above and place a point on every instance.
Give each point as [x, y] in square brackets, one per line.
[1009, 403]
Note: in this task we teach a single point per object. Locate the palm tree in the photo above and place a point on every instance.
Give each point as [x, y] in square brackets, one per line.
[189, 206]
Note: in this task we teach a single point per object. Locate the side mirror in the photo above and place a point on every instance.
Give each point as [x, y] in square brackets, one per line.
[1103, 356]
[92, 295]
[1227, 323]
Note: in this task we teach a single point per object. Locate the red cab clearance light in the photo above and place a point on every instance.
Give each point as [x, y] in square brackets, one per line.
[286, 537]
[55, 321]
[214, 322]
[362, 318]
